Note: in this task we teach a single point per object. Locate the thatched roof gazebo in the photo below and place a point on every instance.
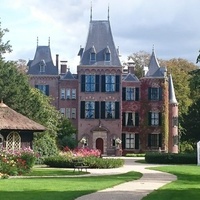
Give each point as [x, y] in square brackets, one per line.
[16, 130]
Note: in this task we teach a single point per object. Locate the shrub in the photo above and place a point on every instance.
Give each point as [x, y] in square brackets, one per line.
[17, 162]
[186, 147]
[170, 158]
[135, 155]
[44, 146]
[91, 161]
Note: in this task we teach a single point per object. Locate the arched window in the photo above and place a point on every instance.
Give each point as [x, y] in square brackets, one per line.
[13, 141]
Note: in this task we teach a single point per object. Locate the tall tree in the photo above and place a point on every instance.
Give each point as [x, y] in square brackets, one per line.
[5, 47]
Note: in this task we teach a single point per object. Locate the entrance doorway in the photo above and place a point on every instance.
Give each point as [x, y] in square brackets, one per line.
[99, 144]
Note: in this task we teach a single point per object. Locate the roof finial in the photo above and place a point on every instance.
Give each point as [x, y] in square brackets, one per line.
[153, 49]
[49, 42]
[108, 12]
[91, 12]
[37, 41]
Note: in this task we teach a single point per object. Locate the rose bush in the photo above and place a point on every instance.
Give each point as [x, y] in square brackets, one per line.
[16, 163]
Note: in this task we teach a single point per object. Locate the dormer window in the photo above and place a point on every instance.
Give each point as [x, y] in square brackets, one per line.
[42, 65]
[93, 54]
[107, 54]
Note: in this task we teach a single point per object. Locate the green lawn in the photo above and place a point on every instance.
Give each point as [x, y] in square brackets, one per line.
[187, 187]
[59, 188]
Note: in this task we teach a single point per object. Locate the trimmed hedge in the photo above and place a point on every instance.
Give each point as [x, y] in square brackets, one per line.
[135, 155]
[92, 162]
[170, 158]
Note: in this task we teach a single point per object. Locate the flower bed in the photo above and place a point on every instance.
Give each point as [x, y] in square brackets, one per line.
[90, 157]
[16, 163]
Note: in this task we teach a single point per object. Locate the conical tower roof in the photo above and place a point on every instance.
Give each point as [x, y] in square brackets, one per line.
[172, 96]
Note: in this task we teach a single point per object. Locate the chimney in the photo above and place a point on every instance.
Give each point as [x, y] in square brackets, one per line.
[63, 67]
[57, 60]
[131, 66]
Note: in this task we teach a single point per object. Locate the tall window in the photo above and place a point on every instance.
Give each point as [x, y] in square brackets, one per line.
[92, 56]
[89, 83]
[130, 119]
[130, 94]
[62, 111]
[73, 113]
[107, 57]
[62, 93]
[68, 114]
[68, 93]
[155, 140]
[130, 141]
[110, 83]
[89, 109]
[175, 121]
[110, 110]
[73, 93]
[43, 88]
[154, 118]
[42, 65]
[155, 94]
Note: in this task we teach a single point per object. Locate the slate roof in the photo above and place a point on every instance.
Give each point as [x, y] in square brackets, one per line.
[154, 69]
[130, 78]
[68, 76]
[42, 56]
[11, 120]
[100, 41]
[172, 97]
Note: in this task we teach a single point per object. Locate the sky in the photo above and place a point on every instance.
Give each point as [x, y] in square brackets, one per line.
[172, 27]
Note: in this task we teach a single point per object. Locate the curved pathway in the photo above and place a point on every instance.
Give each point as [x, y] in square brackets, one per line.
[133, 190]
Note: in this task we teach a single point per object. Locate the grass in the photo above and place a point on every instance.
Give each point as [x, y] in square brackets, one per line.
[187, 185]
[53, 172]
[59, 188]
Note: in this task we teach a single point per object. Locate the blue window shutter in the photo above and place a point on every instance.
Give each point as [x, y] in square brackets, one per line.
[47, 90]
[136, 141]
[97, 83]
[149, 140]
[160, 119]
[160, 93]
[149, 118]
[82, 83]
[102, 110]
[137, 94]
[96, 110]
[149, 93]
[123, 118]
[160, 140]
[123, 94]
[136, 119]
[123, 140]
[82, 110]
[117, 83]
[117, 110]
[103, 85]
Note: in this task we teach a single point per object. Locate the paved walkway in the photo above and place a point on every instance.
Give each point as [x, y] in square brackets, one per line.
[133, 190]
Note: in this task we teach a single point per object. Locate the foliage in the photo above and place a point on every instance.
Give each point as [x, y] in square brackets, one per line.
[141, 60]
[170, 158]
[186, 147]
[66, 134]
[17, 162]
[44, 146]
[5, 47]
[135, 155]
[89, 157]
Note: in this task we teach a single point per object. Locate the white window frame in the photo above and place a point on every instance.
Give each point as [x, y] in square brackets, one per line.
[68, 113]
[73, 113]
[73, 93]
[68, 93]
[62, 93]
[62, 111]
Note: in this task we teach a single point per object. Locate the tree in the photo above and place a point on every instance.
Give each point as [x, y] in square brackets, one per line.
[141, 60]
[66, 134]
[4, 47]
